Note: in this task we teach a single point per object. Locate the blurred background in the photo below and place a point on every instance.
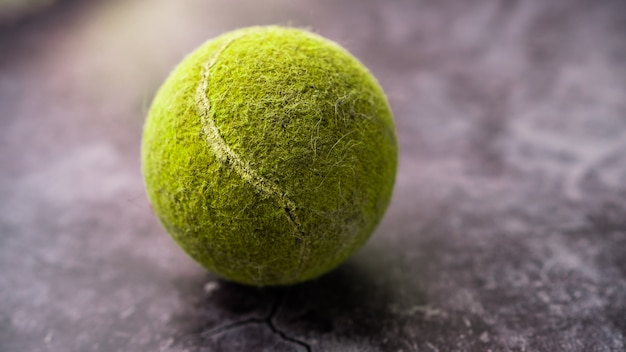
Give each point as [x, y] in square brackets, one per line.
[507, 230]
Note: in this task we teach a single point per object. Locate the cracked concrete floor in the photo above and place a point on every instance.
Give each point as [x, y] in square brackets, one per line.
[507, 230]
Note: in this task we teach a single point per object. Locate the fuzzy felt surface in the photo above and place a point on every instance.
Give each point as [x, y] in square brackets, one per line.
[269, 155]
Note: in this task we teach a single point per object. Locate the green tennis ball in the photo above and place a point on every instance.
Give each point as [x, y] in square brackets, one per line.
[269, 155]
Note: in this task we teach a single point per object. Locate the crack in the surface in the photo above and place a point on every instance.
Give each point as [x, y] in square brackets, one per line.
[268, 320]
[224, 328]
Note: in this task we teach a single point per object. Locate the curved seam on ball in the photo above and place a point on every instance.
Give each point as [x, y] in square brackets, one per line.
[227, 156]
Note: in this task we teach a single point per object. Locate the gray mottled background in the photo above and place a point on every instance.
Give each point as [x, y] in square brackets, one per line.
[507, 230]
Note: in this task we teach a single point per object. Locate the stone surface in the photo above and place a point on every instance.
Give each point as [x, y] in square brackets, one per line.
[507, 231]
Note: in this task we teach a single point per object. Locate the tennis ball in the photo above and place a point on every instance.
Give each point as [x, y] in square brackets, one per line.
[269, 155]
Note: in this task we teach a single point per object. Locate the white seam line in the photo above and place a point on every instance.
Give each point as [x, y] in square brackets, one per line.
[226, 155]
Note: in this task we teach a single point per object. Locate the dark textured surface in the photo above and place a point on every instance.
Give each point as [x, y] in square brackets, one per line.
[507, 231]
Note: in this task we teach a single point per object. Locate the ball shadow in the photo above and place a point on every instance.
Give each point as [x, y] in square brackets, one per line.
[351, 303]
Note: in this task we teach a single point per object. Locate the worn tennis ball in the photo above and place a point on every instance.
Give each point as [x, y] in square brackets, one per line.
[269, 155]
